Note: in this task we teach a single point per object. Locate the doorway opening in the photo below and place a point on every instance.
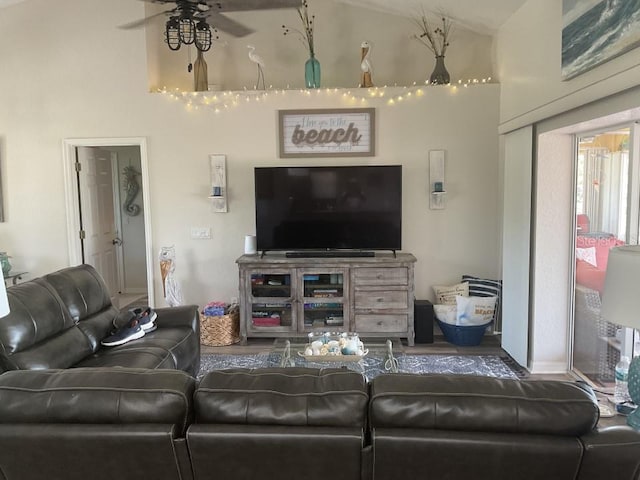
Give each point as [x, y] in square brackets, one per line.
[108, 214]
[606, 204]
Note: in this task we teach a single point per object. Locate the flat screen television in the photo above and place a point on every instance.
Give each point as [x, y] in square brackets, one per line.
[327, 208]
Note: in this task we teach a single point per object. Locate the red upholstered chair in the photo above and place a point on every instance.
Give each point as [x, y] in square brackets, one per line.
[582, 221]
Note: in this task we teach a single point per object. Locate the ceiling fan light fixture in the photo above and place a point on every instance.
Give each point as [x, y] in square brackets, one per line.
[172, 34]
[203, 36]
[187, 30]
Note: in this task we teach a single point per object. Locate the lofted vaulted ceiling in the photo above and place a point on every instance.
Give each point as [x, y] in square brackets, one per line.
[481, 16]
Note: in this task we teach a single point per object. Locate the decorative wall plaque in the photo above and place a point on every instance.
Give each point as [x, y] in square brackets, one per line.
[345, 132]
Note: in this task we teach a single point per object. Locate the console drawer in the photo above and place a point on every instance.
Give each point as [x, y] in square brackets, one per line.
[381, 276]
[381, 323]
[381, 299]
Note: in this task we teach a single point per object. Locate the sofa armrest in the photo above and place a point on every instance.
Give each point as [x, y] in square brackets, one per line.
[182, 316]
[612, 452]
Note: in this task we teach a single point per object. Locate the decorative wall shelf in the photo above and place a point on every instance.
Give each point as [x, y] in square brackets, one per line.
[219, 101]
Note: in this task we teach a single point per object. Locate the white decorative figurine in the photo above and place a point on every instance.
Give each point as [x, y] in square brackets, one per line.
[365, 65]
[257, 59]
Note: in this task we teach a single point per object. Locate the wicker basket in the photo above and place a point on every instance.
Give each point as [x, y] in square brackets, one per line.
[218, 331]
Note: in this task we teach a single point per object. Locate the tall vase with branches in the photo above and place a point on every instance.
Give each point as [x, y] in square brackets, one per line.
[305, 35]
[435, 36]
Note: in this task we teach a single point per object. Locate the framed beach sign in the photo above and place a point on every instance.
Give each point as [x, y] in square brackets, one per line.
[595, 31]
[343, 132]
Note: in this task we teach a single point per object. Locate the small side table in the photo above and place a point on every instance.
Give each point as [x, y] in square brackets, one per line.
[14, 277]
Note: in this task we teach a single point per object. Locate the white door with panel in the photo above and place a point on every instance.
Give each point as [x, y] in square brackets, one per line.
[95, 183]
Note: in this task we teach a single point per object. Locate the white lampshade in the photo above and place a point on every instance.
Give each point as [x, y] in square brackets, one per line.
[4, 302]
[621, 296]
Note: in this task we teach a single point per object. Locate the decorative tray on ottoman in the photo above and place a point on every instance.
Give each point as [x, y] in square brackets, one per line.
[334, 347]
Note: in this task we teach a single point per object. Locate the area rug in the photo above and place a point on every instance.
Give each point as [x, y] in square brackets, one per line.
[484, 365]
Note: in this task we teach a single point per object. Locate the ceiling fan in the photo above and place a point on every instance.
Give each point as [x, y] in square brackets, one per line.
[190, 21]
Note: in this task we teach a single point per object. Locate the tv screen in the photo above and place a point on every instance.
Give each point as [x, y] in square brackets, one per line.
[319, 208]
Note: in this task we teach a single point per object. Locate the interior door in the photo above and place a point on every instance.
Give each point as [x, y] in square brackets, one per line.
[97, 216]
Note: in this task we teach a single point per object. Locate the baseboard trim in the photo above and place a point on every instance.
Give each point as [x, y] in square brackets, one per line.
[554, 368]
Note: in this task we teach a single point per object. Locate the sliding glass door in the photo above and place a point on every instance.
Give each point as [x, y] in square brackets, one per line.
[606, 205]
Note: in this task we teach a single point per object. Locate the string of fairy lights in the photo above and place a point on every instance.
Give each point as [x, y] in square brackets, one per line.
[220, 101]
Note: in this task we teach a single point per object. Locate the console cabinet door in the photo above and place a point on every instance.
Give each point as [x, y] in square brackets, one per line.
[271, 300]
[322, 293]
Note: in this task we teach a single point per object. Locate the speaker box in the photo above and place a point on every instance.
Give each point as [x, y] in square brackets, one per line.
[423, 321]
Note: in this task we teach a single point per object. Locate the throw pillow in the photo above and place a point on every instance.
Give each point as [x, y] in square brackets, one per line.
[446, 313]
[475, 310]
[446, 294]
[484, 287]
[588, 255]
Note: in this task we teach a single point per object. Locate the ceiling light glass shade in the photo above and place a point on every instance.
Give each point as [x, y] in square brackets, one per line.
[187, 31]
[203, 36]
[172, 34]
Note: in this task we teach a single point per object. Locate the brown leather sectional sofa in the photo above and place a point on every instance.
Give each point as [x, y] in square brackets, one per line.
[107, 423]
[58, 321]
[73, 410]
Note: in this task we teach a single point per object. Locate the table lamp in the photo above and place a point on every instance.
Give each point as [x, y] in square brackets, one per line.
[621, 305]
[4, 301]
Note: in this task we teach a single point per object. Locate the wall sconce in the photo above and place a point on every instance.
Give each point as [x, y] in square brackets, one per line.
[217, 168]
[436, 180]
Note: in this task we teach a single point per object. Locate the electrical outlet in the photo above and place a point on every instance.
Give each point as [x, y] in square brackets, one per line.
[201, 233]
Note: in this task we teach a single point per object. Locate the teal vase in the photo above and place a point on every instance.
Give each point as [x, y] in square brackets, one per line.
[312, 72]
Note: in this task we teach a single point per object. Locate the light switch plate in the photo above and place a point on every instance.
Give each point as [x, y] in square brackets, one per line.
[201, 233]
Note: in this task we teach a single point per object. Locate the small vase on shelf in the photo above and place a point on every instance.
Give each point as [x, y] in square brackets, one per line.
[312, 72]
[440, 75]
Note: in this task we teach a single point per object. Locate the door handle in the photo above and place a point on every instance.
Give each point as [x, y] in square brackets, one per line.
[116, 241]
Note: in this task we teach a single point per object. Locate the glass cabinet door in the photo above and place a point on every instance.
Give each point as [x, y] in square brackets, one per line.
[271, 301]
[323, 300]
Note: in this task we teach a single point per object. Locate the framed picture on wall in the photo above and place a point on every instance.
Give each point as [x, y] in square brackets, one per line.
[327, 132]
[596, 32]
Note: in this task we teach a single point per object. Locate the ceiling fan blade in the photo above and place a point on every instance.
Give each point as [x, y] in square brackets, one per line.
[143, 21]
[225, 24]
[245, 5]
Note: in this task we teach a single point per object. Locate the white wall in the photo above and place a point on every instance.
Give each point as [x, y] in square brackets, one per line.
[551, 302]
[529, 59]
[92, 82]
[533, 93]
[132, 233]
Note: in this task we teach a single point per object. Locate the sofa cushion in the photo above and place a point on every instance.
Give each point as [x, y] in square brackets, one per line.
[128, 355]
[39, 333]
[102, 396]
[181, 343]
[446, 294]
[470, 403]
[86, 296]
[486, 287]
[283, 396]
[589, 276]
